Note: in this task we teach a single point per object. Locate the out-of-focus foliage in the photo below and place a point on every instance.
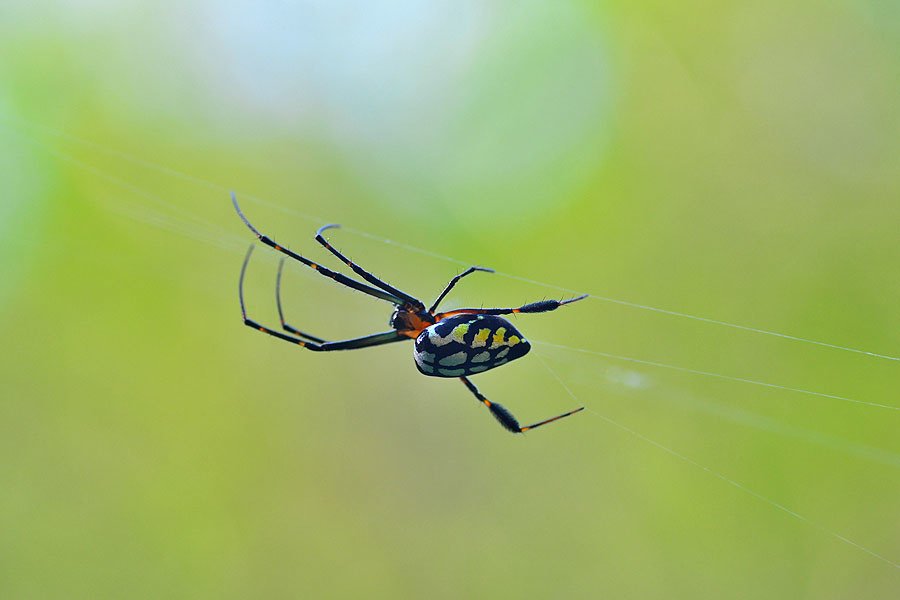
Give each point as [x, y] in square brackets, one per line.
[739, 161]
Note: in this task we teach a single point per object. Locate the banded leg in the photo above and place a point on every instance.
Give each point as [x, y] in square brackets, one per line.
[505, 417]
[453, 281]
[284, 325]
[534, 307]
[362, 272]
[377, 339]
[339, 277]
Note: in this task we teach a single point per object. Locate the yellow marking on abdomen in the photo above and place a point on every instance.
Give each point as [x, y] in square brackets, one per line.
[481, 338]
[459, 332]
[498, 338]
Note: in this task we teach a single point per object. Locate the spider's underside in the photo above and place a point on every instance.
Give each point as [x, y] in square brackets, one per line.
[457, 343]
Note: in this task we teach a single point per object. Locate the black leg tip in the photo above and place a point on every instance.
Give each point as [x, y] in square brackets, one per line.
[234, 203]
[581, 297]
[541, 306]
[326, 228]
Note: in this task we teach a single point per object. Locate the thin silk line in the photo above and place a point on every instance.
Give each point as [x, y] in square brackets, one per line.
[154, 198]
[601, 298]
[716, 375]
[216, 232]
[225, 235]
[622, 302]
[208, 239]
[722, 477]
[680, 399]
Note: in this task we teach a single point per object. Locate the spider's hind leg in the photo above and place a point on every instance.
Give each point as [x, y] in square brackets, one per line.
[506, 418]
[338, 277]
[377, 339]
[284, 325]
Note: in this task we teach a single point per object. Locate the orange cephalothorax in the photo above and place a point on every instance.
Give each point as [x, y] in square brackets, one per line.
[410, 322]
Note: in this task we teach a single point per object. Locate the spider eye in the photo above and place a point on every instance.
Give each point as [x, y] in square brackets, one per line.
[393, 318]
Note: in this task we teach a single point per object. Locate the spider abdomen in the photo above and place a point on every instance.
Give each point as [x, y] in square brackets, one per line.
[468, 344]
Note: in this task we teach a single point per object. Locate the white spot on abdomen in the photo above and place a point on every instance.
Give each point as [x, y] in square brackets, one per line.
[453, 360]
[481, 357]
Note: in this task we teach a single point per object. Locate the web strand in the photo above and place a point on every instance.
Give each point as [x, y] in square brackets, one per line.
[219, 237]
[602, 298]
[720, 476]
[407, 247]
[716, 375]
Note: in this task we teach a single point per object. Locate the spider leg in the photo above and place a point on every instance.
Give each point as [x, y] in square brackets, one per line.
[376, 339]
[505, 417]
[362, 272]
[339, 277]
[284, 325]
[534, 307]
[453, 281]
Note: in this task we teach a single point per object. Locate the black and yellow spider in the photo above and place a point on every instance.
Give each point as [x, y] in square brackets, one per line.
[457, 343]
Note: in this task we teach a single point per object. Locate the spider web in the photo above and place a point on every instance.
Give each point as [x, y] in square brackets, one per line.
[157, 211]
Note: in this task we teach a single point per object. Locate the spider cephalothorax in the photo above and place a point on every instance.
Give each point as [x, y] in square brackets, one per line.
[410, 320]
[458, 343]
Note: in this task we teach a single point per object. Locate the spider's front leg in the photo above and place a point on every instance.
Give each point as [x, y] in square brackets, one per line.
[454, 281]
[505, 417]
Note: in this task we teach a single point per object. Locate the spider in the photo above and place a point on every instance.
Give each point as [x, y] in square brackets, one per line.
[458, 343]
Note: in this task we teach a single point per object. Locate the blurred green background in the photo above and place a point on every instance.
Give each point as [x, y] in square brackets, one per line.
[738, 161]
